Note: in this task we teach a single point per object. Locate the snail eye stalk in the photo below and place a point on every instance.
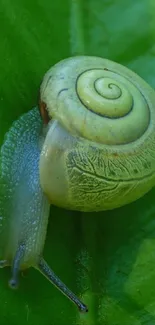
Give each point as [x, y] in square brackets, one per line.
[44, 268]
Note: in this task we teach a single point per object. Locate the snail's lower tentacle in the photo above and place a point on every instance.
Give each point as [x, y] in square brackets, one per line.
[13, 283]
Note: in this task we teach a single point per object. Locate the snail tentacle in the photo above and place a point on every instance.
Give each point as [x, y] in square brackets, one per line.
[44, 268]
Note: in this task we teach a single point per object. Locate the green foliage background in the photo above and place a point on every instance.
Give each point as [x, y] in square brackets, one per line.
[107, 258]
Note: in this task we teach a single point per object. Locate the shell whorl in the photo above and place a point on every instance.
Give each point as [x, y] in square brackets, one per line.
[98, 99]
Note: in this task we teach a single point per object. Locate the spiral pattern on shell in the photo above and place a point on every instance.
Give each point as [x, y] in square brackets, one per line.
[98, 99]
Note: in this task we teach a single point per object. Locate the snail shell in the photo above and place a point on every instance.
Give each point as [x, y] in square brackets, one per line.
[99, 152]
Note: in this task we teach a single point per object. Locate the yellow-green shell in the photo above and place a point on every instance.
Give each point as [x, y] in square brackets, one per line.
[99, 152]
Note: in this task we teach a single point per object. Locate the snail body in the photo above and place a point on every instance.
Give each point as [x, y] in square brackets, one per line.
[95, 151]
[24, 208]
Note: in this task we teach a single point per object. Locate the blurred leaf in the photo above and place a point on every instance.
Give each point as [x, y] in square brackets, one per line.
[106, 258]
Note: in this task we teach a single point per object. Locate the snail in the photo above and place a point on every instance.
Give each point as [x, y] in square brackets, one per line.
[89, 145]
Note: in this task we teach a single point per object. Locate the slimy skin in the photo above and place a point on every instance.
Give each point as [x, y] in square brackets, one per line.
[24, 208]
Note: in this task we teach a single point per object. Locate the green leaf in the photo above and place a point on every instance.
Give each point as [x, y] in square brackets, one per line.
[107, 258]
